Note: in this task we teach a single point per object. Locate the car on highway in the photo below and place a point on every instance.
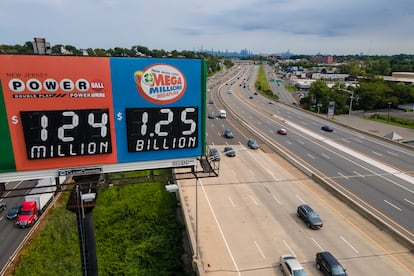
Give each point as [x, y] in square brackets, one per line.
[211, 115]
[3, 206]
[214, 154]
[251, 143]
[250, 97]
[327, 128]
[228, 134]
[14, 212]
[309, 216]
[211, 101]
[291, 266]
[229, 151]
[282, 131]
[329, 265]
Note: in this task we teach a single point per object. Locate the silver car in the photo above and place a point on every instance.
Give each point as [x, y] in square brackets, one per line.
[291, 266]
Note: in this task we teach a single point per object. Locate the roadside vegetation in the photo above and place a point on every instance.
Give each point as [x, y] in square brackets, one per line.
[262, 84]
[136, 229]
[392, 120]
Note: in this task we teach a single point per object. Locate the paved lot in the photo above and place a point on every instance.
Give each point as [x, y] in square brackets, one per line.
[379, 129]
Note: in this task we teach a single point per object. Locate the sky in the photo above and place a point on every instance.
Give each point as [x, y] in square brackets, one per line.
[328, 27]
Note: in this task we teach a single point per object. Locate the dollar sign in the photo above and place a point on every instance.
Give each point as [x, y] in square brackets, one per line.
[15, 120]
[119, 116]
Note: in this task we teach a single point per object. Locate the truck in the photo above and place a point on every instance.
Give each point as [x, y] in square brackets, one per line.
[36, 201]
[222, 113]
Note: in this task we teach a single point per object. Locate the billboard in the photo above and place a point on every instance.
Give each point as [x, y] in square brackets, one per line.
[59, 112]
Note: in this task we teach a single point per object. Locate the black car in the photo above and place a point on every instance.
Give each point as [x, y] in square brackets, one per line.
[329, 265]
[309, 216]
[214, 154]
[14, 212]
[327, 128]
[3, 206]
[229, 151]
[228, 134]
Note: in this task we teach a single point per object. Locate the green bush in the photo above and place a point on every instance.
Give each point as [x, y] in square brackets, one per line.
[136, 234]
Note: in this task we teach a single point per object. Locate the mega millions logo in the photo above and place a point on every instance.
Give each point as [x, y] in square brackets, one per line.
[160, 83]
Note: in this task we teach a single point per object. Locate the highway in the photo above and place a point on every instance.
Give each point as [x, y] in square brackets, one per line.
[374, 172]
[247, 219]
[248, 194]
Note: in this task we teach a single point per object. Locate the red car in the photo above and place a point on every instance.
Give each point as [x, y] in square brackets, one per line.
[282, 131]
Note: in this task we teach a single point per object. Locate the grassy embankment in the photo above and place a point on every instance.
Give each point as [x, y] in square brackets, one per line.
[136, 231]
[392, 120]
[262, 84]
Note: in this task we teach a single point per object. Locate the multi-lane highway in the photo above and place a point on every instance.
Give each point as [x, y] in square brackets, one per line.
[375, 173]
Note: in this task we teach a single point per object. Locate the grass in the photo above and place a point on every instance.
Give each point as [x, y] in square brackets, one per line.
[392, 120]
[262, 84]
[136, 233]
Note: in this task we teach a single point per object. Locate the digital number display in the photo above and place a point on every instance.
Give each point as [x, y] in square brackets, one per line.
[65, 133]
[156, 129]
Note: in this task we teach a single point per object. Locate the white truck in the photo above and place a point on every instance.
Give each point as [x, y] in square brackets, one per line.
[222, 113]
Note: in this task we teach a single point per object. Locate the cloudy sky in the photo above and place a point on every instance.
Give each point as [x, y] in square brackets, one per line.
[372, 27]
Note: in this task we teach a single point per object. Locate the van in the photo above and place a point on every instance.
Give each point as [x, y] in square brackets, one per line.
[222, 113]
[329, 265]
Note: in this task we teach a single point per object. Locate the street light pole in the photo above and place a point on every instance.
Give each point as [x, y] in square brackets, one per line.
[350, 103]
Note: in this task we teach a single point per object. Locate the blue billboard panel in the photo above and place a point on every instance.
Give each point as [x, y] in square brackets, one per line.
[158, 107]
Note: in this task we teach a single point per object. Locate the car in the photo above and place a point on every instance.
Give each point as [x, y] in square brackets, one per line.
[229, 151]
[228, 134]
[250, 97]
[214, 154]
[327, 128]
[291, 266]
[282, 131]
[14, 212]
[255, 93]
[3, 206]
[211, 101]
[251, 143]
[211, 115]
[329, 265]
[270, 102]
[309, 216]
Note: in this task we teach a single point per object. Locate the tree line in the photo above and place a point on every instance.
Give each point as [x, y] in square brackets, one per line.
[213, 62]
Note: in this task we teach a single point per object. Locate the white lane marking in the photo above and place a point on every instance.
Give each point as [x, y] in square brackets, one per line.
[300, 142]
[290, 249]
[311, 156]
[301, 200]
[393, 205]
[317, 244]
[271, 131]
[273, 176]
[254, 200]
[260, 250]
[326, 156]
[277, 200]
[409, 201]
[349, 244]
[234, 172]
[220, 229]
[344, 176]
[392, 153]
[231, 201]
[289, 142]
[377, 153]
[360, 175]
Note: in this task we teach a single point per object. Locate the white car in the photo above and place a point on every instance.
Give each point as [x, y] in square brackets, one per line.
[291, 266]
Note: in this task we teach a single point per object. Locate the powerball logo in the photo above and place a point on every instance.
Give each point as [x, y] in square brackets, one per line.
[160, 83]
